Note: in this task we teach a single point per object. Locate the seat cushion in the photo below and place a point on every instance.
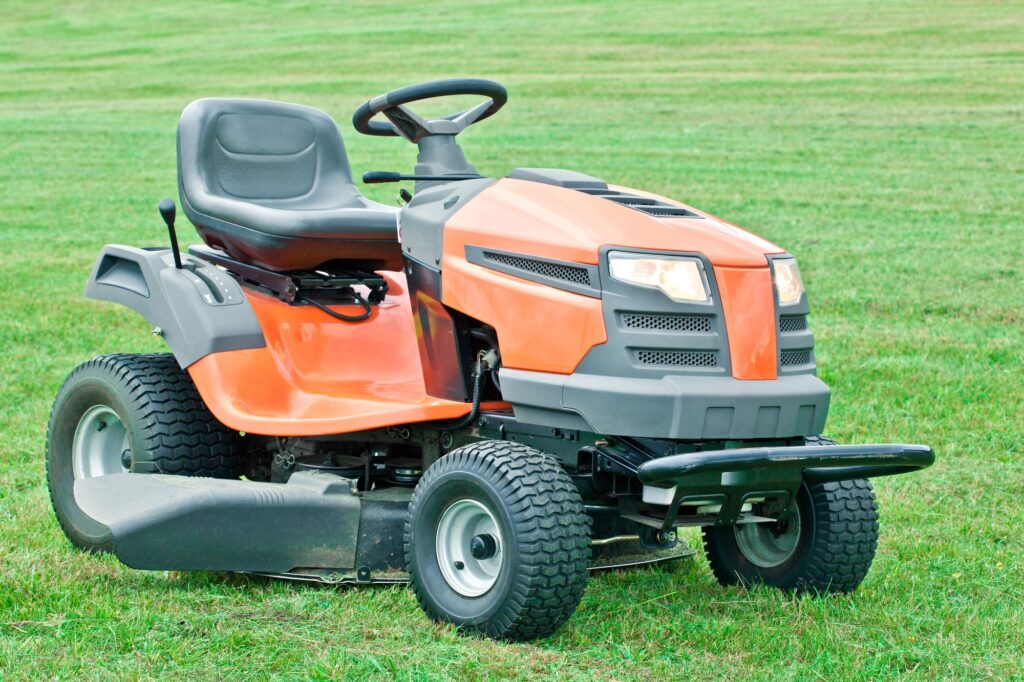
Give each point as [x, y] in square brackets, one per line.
[270, 183]
[275, 252]
[365, 220]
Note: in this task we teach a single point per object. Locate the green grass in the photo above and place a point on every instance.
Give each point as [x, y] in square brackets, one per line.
[882, 143]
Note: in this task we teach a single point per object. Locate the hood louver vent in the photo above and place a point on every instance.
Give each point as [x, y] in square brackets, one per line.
[646, 205]
[567, 273]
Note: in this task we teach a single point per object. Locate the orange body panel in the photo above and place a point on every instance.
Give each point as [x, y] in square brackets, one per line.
[319, 376]
[546, 329]
[539, 327]
[749, 306]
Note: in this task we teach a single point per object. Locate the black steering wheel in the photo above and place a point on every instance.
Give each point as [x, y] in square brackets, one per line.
[405, 123]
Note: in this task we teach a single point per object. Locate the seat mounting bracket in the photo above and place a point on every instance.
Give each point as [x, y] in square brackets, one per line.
[332, 285]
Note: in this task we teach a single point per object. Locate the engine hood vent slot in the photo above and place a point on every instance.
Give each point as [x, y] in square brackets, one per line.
[568, 273]
[654, 207]
[579, 278]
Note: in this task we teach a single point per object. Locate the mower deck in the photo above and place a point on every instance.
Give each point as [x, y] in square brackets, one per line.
[630, 555]
[172, 522]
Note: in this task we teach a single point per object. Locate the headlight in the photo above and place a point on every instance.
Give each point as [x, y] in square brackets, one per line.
[682, 279]
[788, 284]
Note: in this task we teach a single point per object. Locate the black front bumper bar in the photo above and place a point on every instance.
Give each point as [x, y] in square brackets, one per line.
[731, 477]
[819, 463]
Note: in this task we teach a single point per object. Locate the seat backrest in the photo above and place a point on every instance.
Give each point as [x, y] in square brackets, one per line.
[268, 153]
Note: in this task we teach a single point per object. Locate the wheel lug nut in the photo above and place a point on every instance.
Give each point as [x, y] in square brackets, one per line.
[459, 565]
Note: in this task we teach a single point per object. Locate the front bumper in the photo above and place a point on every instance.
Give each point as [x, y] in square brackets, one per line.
[817, 464]
[730, 478]
[675, 406]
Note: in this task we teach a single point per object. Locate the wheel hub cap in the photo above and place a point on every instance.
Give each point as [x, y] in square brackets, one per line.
[769, 544]
[483, 546]
[469, 547]
[100, 446]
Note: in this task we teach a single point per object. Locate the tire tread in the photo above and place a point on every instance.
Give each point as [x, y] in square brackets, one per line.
[553, 531]
[180, 435]
[844, 543]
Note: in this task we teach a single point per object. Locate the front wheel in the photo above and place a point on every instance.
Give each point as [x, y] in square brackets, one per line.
[824, 544]
[497, 541]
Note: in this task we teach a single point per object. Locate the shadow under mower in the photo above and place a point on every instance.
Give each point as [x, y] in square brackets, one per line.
[485, 392]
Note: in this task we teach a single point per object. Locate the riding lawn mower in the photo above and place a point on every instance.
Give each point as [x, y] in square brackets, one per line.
[486, 392]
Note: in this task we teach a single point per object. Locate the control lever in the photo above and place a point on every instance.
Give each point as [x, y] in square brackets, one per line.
[375, 177]
[167, 210]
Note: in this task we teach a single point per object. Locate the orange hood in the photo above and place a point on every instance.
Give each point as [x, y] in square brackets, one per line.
[552, 222]
[546, 329]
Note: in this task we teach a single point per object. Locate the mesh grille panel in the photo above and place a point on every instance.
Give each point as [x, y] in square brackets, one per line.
[795, 357]
[566, 273]
[795, 323]
[669, 323]
[677, 358]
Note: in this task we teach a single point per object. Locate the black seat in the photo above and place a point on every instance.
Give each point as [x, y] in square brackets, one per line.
[269, 183]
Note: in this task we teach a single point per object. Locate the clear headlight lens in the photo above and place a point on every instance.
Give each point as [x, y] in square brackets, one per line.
[787, 281]
[681, 279]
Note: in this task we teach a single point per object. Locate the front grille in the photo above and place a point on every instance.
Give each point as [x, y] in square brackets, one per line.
[677, 358]
[644, 204]
[793, 323]
[667, 323]
[566, 273]
[795, 357]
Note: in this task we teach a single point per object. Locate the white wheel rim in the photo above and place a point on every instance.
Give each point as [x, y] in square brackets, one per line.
[464, 527]
[100, 444]
[762, 546]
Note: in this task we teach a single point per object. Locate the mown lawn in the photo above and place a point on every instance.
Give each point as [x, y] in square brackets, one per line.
[882, 143]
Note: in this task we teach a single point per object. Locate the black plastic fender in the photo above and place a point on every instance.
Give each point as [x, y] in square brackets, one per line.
[198, 310]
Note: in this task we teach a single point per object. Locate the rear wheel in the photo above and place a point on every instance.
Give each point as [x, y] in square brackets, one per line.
[129, 413]
[497, 541]
[824, 544]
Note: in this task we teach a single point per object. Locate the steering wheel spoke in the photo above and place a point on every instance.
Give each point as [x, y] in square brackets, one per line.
[407, 123]
[471, 115]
